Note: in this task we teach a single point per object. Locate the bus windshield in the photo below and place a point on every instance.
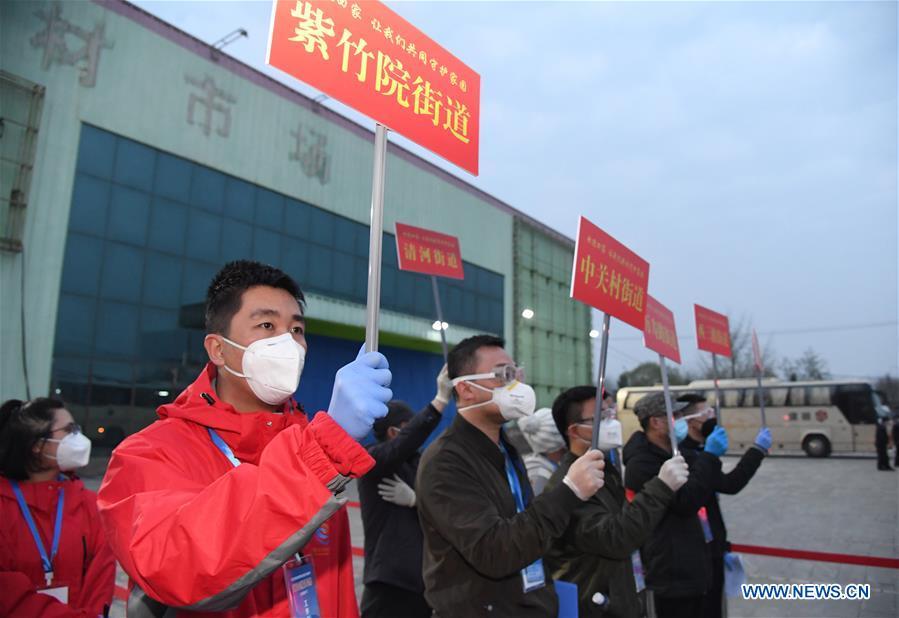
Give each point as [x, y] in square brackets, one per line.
[881, 404]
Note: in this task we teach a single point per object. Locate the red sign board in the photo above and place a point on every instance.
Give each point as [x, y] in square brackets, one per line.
[609, 276]
[365, 55]
[431, 253]
[660, 334]
[712, 331]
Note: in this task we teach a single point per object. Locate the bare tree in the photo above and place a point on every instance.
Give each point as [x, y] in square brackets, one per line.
[649, 374]
[741, 363]
[889, 386]
[809, 366]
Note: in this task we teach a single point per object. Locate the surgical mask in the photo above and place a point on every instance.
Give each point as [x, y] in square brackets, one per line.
[73, 452]
[514, 400]
[272, 367]
[680, 429]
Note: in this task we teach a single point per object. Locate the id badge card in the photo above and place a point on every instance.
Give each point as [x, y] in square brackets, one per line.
[532, 576]
[639, 576]
[60, 593]
[299, 580]
[706, 528]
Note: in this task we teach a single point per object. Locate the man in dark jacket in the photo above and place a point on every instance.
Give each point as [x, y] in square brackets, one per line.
[484, 532]
[676, 556]
[596, 551]
[896, 437]
[701, 422]
[392, 576]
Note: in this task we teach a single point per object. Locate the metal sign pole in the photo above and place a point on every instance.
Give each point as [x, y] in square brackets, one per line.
[439, 315]
[601, 379]
[761, 391]
[374, 240]
[668, 407]
[717, 390]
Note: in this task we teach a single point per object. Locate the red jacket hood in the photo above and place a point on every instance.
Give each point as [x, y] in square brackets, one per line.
[246, 433]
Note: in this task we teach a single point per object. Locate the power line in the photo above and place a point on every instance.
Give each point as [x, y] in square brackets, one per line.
[793, 331]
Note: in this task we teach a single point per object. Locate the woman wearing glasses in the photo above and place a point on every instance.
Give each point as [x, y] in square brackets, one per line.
[55, 561]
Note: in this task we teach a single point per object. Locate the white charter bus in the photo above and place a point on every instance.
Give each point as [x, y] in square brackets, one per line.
[819, 417]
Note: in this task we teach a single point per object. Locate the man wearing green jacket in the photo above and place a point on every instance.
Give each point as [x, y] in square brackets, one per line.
[597, 550]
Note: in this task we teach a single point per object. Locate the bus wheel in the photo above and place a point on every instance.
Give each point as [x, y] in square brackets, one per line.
[816, 445]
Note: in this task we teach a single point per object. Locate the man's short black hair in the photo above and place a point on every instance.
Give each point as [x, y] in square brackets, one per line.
[398, 412]
[694, 399]
[463, 358]
[224, 296]
[567, 407]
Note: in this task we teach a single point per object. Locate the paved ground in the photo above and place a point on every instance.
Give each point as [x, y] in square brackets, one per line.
[833, 505]
[827, 505]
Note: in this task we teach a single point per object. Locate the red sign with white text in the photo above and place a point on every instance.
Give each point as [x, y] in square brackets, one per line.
[660, 334]
[368, 57]
[608, 276]
[712, 331]
[428, 252]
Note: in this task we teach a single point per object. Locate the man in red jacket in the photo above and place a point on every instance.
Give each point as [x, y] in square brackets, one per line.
[204, 507]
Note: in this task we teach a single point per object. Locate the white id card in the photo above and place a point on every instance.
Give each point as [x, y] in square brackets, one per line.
[60, 593]
[532, 576]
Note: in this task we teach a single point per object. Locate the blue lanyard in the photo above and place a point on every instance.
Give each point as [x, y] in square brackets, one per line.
[223, 447]
[46, 561]
[514, 484]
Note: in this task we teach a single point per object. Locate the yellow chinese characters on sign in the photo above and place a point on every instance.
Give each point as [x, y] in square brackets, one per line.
[428, 252]
[660, 333]
[372, 59]
[712, 331]
[609, 276]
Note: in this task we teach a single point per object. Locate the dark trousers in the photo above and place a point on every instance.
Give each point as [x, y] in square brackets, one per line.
[680, 607]
[883, 459]
[712, 602]
[386, 601]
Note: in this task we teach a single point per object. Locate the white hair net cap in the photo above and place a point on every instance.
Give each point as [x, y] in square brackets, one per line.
[540, 432]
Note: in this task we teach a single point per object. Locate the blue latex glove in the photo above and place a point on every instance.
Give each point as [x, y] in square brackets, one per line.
[763, 439]
[361, 393]
[716, 443]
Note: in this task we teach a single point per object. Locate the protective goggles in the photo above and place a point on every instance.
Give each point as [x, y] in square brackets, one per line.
[504, 373]
[70, 428]
[707, 413]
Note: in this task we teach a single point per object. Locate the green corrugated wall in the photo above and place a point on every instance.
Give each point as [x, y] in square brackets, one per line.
[554, 346]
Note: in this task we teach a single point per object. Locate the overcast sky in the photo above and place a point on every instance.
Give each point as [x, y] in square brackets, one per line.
[747, 150]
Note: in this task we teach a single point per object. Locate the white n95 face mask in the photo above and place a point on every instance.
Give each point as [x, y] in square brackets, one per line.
[73, 452]
[272, 367]
[610, 434]
[514, 400]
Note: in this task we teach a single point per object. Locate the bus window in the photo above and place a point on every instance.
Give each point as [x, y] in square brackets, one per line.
[751, 397]
[882, 405]
[856, 402]
[797, 396]
[732, 397]
[777, 396]
[819, 396]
